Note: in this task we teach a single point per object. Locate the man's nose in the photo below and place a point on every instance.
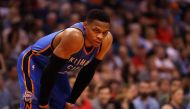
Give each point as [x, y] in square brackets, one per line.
[100, 36]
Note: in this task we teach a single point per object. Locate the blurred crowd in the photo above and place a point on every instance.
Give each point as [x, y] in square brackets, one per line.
[148, 66]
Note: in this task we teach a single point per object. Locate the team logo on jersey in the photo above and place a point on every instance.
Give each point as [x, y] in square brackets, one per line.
[28, 96]
[33, 67]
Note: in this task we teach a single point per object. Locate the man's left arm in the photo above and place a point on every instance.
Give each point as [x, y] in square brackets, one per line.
[86, 74]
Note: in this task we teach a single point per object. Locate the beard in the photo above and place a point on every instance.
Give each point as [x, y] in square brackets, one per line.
[153, 94]
[144, 95]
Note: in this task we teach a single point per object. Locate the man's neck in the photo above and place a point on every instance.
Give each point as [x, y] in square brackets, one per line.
[87, 44]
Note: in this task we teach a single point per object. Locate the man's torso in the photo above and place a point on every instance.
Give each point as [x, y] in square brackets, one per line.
[43, 49]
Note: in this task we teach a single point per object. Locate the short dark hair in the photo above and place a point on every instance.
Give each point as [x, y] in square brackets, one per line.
[104, 86]
[98, 14]
[175, 79]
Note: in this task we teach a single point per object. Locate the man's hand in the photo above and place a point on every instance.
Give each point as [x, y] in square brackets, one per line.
[69, 106]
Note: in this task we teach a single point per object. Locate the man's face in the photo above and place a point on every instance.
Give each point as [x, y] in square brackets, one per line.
[96, 31]
[165, 86]
[178, 96]
[104, 95]
[144, 90]
[144, 87]
[13, 73]
[176, 84]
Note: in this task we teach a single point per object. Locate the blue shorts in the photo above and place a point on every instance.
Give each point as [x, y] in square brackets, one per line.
[29, 74]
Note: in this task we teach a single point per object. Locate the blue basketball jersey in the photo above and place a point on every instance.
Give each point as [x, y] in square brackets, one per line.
[43, 49]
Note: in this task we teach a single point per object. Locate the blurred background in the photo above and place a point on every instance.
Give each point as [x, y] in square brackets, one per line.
[147, 67]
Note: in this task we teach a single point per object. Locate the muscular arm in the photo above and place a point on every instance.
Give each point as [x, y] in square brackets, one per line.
[86, 74]
[71, 41]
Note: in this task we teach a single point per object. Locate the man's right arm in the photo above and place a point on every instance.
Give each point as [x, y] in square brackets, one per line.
[71, 42]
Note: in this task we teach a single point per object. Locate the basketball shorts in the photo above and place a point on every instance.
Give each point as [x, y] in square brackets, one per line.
[29, 75]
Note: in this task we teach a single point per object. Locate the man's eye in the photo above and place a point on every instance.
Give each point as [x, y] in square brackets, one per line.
[97, 31]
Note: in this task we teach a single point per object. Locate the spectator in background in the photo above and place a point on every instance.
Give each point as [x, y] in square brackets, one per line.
[14, 37]
[124, 103]
[115, 87]
[51, 23]
[122, 56]
[139, 61]
[40, 9]
[150, 38]
[84, 102]
[185, 23]
[164, 65]
[178, 43]
[74, 18]
[132, 92]
[12, 84]
[128, 95]
[129, 73]
[154, 76]
[134, 39]
[106, 73]
[139, 58]
[5, 101]
[104, 99]
[182, 63]
[154, 89]
[144, 100]
[176, 84]
[164, 31]
[64, 13]
[176, 99]
[164, 91]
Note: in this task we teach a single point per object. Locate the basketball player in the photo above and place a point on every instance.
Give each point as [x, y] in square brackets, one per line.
[44, 66]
